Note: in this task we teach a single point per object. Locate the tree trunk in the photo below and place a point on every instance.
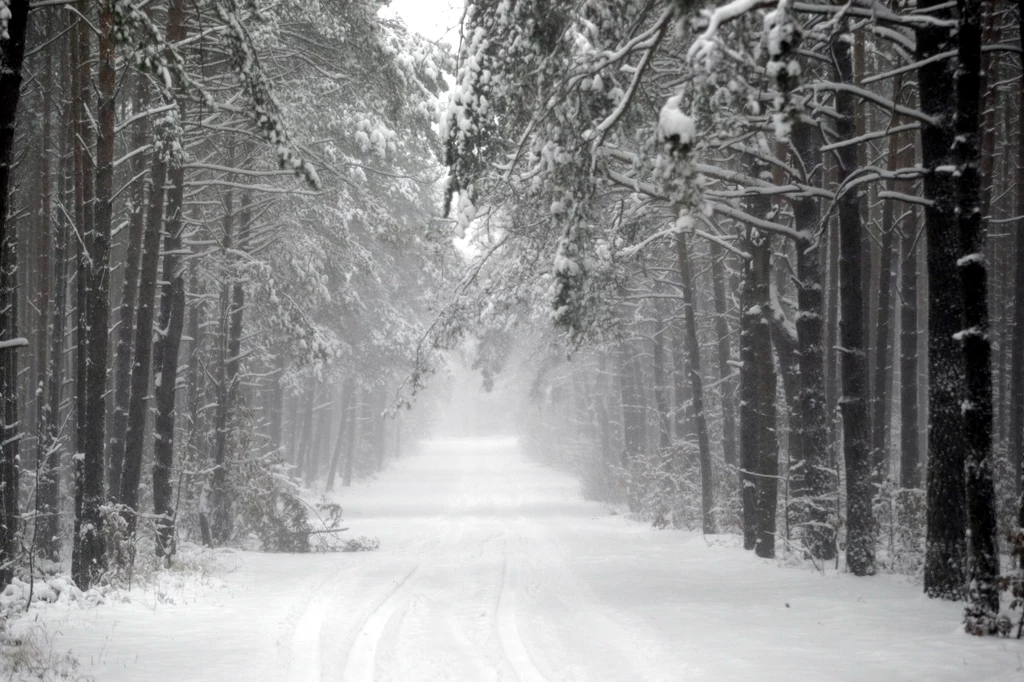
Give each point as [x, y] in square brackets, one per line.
[228, 394]
[759, 448]
[882, 368]
[126, 322]
[48, 493]
[977, 349]
[724, 356]
[93, 316]
[910, 448]
[43, 258]
[945, 544]
[193, 379]
[660, 384]
[860, 537]
[345, 414]
[353, 426]
[306, 432]
[1015, 446]
[811, 479]
[633, 409]
[12, 53]
[696, 386]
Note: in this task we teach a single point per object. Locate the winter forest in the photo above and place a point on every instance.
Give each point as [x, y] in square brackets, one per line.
[515, 340]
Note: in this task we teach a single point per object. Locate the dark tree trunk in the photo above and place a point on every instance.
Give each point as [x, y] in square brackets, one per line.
[682, 414]
[945, 545]
[228, 394]
[601, 389]
[131, 473]
[43, 259]
[380, 404]
[661, 385]
[320, 434]
[811, 479]
[87, 557]
[977, 350]
[277, 388]
[12, 53]
[882, 369]
[759, 448]
[832, 362]
[860, 536]
[633, 408]
[1016, 426]
[345, 414]
[196, 332]
[910, 448]
[726, 384]
[306, 431]
[48, 493]
[353, 427]
[99, 288]
[126, 322]
[696, 386]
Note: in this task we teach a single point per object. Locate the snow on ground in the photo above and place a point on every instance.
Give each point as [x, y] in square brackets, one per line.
[493, 568]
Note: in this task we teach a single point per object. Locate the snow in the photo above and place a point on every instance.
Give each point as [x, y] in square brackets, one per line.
[673, 123]
[493, 568]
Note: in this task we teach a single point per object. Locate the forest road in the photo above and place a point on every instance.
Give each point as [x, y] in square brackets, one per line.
[473, 581]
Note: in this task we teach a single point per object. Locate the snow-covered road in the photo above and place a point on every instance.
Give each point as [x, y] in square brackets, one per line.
[493, 568]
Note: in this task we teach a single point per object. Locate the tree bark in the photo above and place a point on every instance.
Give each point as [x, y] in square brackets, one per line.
[759, 449]
[910, 448]
[860, 537]
[228, 394]
[48, 493]
[131, 474]
[812, 482]
[1016, 421]
[168, 344]
[633, 409]
[977, 350]
[724, 348]
[696, 386]
[126, 321]
[12, 53]
[87, 559]
[344, 414]
[945, 549]
[351, 440]
[882, 368]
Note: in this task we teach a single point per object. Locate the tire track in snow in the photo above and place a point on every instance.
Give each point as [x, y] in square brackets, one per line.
[361, 663]
[306, 661]
[508, 631]
[305, 665]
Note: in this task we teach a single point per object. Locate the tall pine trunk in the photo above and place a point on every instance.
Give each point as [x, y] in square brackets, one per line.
[48, 492]
[12, 53]
[860, 537]
[759, 449]
[812, 481]
[977, 349]
[696, 386]
[129, 294]
[945, 549]
[354, 409]
[228, 391]
[910, 448]
[87, 558]
[724, 348]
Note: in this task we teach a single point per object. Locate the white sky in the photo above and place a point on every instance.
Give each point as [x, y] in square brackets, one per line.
[433, 19]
